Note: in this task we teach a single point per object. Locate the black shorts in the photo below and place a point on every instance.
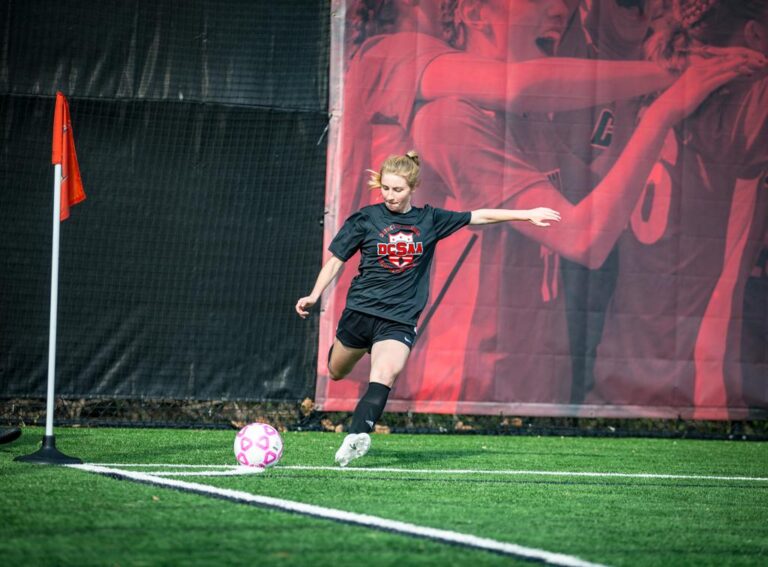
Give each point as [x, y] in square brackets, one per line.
[360, 330]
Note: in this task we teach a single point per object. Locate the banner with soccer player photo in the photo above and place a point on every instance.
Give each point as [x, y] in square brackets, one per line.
[643, 122]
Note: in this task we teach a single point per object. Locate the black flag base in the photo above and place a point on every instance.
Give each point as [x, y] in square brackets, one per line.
[48, 454]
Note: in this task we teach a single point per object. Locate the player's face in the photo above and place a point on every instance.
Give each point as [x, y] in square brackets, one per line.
[622, 22]
[396, 193]
[527, 29]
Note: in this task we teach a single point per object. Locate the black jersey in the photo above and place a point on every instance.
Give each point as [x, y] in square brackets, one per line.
[396, 254]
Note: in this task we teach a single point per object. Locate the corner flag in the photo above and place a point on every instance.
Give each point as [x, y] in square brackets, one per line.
[67, 191]
[63, 152]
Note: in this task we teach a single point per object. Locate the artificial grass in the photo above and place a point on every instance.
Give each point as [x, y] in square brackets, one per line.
[55, 516]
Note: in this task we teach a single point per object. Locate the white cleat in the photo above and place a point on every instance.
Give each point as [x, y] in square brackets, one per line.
[354, 446]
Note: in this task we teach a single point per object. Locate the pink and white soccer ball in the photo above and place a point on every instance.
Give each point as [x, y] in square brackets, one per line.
[258, 445]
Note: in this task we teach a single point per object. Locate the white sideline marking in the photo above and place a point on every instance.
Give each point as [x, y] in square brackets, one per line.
[163, 465]
[446, 472]
[529, 473]
[234, 471]
[444, 536]
[219, 470]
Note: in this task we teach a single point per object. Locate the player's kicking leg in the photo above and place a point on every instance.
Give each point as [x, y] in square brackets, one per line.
[388, 357]
[342, 359]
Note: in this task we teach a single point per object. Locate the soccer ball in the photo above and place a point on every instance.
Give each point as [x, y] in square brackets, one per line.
[258, 445]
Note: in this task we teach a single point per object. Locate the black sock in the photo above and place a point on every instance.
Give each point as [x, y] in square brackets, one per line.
[369, 408]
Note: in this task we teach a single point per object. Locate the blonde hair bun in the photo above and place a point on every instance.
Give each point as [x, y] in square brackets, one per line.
[408, 167]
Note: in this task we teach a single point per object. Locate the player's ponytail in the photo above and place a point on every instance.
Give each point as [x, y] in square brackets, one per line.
[408, 167]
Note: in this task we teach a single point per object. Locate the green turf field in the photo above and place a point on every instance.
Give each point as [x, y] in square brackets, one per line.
[695, 515]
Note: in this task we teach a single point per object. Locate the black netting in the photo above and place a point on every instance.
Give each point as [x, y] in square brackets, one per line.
[199, 128]
[179, 272]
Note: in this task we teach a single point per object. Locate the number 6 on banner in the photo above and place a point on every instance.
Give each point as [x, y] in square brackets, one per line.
[649, 221]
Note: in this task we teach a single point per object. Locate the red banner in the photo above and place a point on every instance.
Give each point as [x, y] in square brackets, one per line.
[642, 127]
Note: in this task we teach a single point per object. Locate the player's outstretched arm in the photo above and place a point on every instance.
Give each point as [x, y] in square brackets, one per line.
[591, 227]
[327, 274]
[544, 85]
[539, 216]
[555, 84]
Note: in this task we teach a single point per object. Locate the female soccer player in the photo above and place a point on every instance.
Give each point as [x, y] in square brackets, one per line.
[397, 242]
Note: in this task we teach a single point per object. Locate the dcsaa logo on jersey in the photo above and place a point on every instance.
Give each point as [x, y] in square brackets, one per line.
[400, 251]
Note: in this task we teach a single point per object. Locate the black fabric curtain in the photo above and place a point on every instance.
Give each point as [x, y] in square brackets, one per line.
[199, 128]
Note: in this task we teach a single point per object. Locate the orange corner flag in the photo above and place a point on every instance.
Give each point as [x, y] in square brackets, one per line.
[72, 191]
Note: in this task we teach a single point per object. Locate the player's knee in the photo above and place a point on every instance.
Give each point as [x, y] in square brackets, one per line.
[385, 375]
[334, 375]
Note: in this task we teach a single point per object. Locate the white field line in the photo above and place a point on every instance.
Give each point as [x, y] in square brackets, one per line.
[444, 536]
[234, 471]
[442, 472]
[531, 473]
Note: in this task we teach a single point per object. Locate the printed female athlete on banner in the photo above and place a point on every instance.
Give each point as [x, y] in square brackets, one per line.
[400, 62]
[603, 29]
[511, 159]
[397, 242]
[673, 330]
[616, 30]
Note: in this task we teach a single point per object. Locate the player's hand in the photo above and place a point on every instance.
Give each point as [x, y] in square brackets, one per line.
[303, 306]
[698, 55]
[699, 81]
[754, 63]
[541, 215]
